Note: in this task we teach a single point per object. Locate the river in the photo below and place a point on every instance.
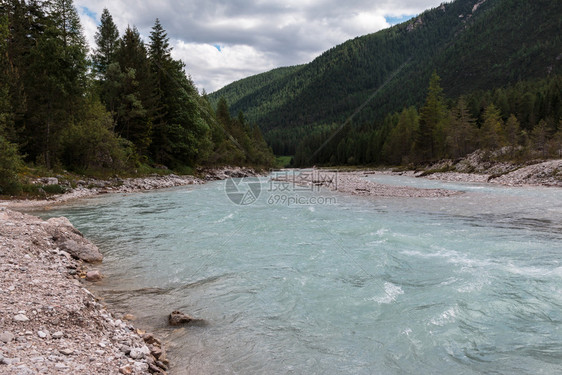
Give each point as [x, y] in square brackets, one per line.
[335, 284]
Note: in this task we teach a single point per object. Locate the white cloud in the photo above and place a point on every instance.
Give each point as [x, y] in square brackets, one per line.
[255, 36]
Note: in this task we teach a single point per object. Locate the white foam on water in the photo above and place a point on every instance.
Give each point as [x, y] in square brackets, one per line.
[227, 217]
[391, 292]
[447, 316]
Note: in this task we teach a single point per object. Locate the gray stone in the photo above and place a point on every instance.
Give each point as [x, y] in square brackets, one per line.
[21, 318]
[137, 353]
[11, 361]
[50, 181]
[24, 370]
[58, 335]
[6, 337]
[41, 334]
[69, 239]
[84, 250]
[125, 349]
[141, 367]
[66, 351]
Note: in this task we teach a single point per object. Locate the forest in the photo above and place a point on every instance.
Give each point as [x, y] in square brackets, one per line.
[475, 46]
[127, 108]
[525, 120]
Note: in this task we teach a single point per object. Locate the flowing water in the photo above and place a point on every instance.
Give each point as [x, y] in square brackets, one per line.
[462, 285]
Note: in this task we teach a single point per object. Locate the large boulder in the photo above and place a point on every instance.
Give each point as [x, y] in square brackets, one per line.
[71, 240]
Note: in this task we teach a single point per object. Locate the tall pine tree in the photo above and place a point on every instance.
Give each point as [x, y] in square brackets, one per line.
[107, 42]
[432, 117]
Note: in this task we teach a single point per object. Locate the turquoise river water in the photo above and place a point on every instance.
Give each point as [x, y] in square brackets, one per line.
[468, 284]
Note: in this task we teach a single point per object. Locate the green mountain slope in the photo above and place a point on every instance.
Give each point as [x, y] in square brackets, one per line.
[472, 44]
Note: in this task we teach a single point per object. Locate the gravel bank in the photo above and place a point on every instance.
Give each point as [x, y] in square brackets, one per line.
[50, 322]
[354, 183]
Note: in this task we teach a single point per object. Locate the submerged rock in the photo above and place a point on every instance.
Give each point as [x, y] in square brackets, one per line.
[177, 318]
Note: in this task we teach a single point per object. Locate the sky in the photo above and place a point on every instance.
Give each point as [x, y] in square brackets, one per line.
[223, 41]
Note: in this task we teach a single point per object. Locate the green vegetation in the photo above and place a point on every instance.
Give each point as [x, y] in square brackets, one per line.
[437, 131]
[284, 162]
[129, 109]
[501, 44]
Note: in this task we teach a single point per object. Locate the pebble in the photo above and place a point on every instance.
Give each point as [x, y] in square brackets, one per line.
[136, 353]
[24, 370]
[58, 335]
[41, 334]
[11, 361]
[21, 318]
[66, 351]
[125, 349]
[6, 337]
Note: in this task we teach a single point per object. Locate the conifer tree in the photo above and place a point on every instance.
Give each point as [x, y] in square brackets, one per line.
[462, 131]
[512, 132]
[180, 135]
[107, 42]
[432, 116]
[492, 133]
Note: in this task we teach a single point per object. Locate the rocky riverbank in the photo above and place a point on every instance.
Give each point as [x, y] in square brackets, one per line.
[481, 167]
[89, 187]
[50, 322]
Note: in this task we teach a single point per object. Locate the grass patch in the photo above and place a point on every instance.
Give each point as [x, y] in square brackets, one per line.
[283, 161]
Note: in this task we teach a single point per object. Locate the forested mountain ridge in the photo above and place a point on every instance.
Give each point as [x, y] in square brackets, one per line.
[472, 44]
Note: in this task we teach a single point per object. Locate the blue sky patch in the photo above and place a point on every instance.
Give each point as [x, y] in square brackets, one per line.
[89, 13]
[396, 20]
[218, 47]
